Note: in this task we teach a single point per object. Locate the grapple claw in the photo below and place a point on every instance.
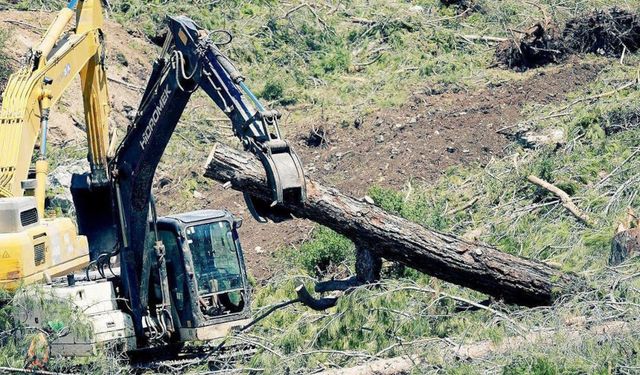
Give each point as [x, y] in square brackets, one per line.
[286, 179]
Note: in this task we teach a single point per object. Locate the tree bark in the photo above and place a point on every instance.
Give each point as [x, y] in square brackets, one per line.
[368, 265]
[474, 265]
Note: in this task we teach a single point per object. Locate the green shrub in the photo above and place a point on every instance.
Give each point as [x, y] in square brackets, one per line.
[273, 91]
[325, 249]
[336, 61]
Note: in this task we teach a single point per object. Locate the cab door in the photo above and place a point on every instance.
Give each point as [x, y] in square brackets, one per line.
[181, 305]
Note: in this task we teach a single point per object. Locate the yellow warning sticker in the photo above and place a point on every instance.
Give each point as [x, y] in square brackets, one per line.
[5, 255]
[183, 37]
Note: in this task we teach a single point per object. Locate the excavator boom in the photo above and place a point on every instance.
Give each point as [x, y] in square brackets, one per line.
[31, 244]
[34, 89]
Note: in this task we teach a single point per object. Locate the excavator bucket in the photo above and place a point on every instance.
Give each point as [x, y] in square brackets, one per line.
[286, 179]
[94, 214]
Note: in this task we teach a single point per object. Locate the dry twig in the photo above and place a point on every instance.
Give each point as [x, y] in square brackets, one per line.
[24, 24]
[483, 38]
[126, 84]
[463, 208]
[564, 198]
[596, 97]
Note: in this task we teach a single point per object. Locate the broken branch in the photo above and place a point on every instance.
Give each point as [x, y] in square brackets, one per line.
[564, 198]
[316, 304]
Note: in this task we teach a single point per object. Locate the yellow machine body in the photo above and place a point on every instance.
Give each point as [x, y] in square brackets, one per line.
[31, 248]
[59, 58]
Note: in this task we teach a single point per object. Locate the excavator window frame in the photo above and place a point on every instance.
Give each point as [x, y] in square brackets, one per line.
[178, 228]
[213, 248]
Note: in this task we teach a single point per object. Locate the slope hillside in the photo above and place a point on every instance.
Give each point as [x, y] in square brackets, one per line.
[128, 59]
[437, 128]
[438, 112]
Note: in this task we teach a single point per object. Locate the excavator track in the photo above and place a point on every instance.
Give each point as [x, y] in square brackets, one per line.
[214, 358]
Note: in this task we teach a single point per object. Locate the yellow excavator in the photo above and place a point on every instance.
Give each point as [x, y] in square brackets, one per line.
[32, 247]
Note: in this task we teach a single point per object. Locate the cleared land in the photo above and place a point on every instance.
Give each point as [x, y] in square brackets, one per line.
[406, 103]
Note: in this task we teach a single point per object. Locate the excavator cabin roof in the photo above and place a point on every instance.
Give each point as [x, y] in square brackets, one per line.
[201, 215]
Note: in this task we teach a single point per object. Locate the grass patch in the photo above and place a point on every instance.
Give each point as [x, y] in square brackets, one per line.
[339, 62]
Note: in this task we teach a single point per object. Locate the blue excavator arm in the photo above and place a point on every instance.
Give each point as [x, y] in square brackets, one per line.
[190, 60]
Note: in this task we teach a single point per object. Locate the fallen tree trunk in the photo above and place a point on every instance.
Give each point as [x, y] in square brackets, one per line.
[574, 336]
[473, 265]
[387, 366]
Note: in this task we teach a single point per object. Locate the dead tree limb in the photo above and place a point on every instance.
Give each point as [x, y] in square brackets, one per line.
[564, 198]
[316, 304]
[450, 258]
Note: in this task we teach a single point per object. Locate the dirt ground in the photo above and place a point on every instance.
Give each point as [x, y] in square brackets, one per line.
[430, 133]
[26, 29]
[419, 140]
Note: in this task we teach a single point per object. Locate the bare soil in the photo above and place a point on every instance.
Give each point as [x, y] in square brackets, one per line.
[431, 133]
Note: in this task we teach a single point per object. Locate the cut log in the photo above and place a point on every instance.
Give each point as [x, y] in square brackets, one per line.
[387, 366]
[477, 266]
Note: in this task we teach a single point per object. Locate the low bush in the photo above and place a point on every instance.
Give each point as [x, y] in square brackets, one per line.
[327, 249]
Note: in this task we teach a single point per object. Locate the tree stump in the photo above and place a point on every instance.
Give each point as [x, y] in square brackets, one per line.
[624, 245]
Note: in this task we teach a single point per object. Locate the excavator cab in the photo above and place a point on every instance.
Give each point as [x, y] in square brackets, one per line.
[206, 276]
